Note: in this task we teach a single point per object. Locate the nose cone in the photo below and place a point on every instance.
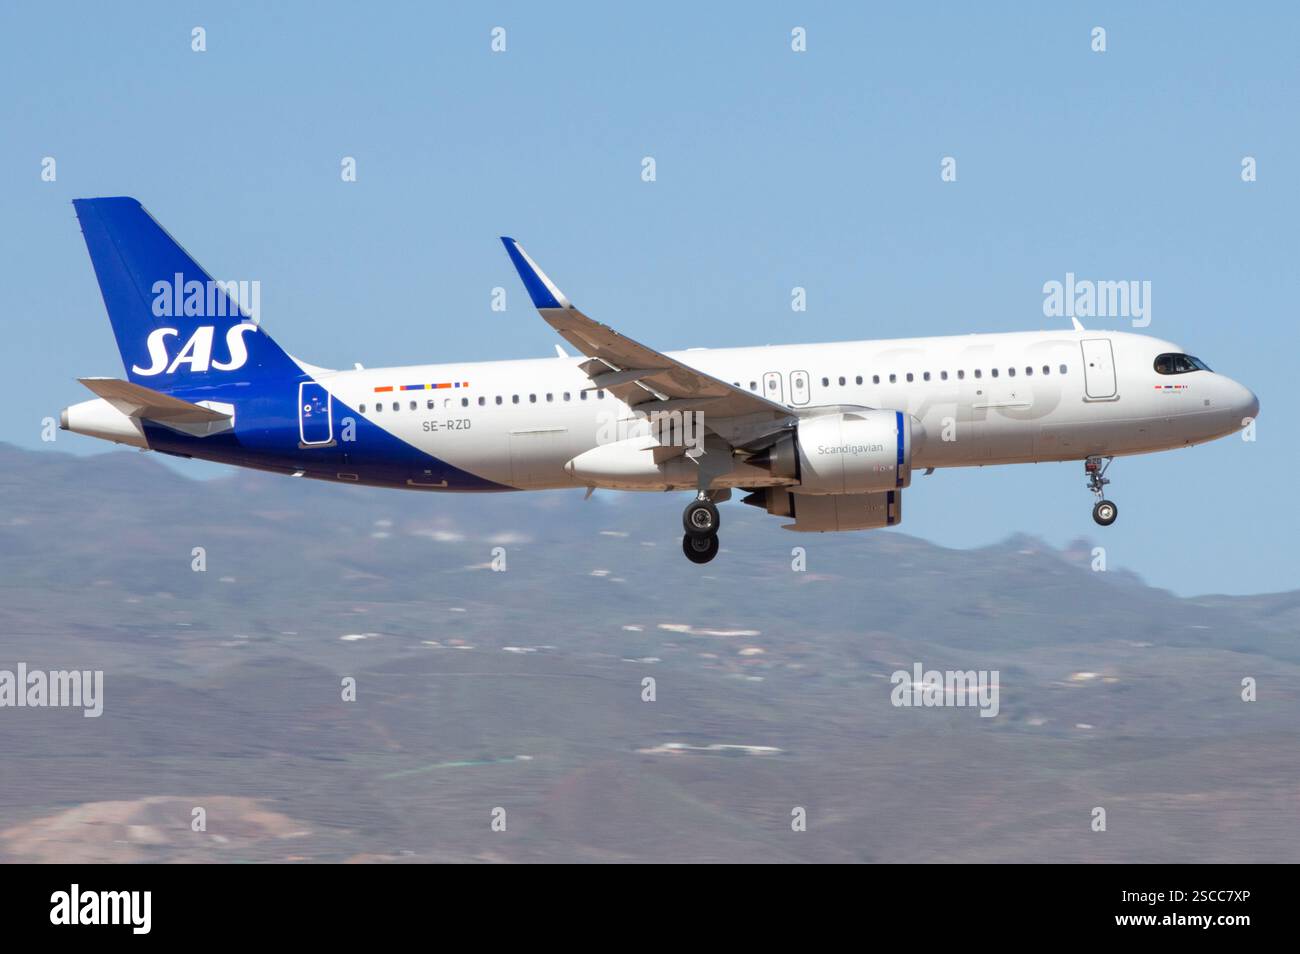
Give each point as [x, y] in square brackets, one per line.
[1239, 403]
[1245, 403]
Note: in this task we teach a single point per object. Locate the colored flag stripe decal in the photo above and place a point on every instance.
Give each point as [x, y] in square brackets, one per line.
[424, 387]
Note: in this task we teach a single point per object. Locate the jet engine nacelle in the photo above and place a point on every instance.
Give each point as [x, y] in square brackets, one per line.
[854, 452]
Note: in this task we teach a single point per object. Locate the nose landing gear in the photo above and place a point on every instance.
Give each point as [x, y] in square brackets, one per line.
[701, 521]
[1104, 511]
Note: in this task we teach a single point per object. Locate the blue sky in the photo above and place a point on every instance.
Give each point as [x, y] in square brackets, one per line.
[774, 169]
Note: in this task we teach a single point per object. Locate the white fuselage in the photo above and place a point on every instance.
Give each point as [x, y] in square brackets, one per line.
[978, 399]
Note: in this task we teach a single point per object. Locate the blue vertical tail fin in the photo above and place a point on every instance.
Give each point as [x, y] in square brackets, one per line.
[175, 326]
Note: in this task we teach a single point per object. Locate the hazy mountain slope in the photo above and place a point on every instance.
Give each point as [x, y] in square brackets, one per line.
[227, 683]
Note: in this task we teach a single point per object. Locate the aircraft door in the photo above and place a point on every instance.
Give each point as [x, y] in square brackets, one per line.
[1098, 369]
[315, 415]
[799, 387]
[772, 387]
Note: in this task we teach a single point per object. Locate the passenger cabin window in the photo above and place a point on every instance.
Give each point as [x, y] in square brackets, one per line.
[875, 379]
[926, 376]
[943, 375]
[1179, 364]
[909, 377]
[893, 379]
[363, 409]
[841, 382]
[826, 382]
[1063, 369]
[858, 379]
[397, 406]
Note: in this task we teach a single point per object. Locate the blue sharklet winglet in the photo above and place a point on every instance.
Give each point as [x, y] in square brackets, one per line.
[540, 288]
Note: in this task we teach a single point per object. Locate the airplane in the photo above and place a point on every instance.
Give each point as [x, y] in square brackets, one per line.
[826, 436]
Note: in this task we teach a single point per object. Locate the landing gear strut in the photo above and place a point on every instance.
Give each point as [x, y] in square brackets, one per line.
[701, 521]
[1104, 511]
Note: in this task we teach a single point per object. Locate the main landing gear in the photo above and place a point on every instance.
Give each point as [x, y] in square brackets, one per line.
[1104, 511]
[701, 521]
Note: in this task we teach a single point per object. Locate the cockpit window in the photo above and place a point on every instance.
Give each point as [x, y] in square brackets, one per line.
[1179, 364]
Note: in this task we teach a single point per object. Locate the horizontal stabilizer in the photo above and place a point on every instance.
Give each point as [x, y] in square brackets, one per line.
[135, 400]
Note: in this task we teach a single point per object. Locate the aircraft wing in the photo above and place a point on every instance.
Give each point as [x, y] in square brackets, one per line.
[641, 377]
[135, 400]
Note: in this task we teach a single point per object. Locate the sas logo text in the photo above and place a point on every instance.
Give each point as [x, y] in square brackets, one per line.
[197, 352]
